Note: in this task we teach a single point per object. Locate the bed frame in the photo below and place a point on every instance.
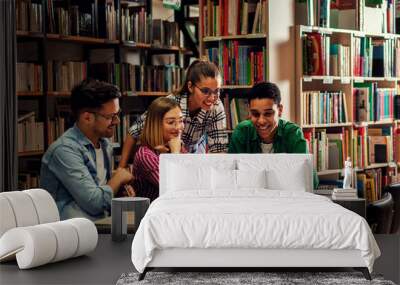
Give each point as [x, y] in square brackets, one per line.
[246, 258]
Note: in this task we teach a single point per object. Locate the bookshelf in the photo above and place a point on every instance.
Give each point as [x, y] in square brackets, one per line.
[63, 42]
[362, 65]
[237, 44]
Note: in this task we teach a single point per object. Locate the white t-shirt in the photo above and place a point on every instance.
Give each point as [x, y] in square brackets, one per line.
[101, 170]
[267, 147]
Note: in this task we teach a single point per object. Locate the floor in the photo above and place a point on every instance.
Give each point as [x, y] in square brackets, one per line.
[110, 259]
[102, 266]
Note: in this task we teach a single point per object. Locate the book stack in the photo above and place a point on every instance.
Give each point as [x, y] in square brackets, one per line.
[344, 194]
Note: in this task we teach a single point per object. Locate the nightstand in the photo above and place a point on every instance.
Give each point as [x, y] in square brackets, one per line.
[357, 205]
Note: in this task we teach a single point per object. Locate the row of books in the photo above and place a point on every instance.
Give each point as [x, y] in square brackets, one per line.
[29, 77]
[372, 146]
[370, 184]
[56, 127]
[89, 18]
[376, 57]
[239, 64]
[30, 133]
[28, 180]
[63, 76]
[330, 148]
[135, 25]
[323, 107]
[29, 16]
[157, 78]
[372, 16]
[138, 27]
[234, 17]
[321, 57]
[372, 103]
[164, 78]
[236, 110]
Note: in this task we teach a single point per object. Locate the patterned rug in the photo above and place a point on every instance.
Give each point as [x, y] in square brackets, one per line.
[229, 278]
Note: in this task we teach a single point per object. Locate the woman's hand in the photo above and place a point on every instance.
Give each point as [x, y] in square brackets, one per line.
[175, 145]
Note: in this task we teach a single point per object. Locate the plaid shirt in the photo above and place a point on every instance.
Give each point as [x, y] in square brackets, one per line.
[206, 128]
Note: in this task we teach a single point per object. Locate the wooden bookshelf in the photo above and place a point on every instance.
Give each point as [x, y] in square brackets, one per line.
[353, 82]
[315, 126]
[59, 93]
[329, 172]
[151, 93]
[29, 93]
[30, 153]
[81, 39]
[235, 37]
[242, 46]
[27, 34]
[236, 86]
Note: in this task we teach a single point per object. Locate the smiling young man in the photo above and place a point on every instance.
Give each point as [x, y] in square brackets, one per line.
[266, 131]
[76, 169]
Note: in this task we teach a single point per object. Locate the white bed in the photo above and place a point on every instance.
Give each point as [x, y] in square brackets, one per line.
[221, 211]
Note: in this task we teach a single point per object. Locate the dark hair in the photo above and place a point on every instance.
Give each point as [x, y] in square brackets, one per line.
[262, 90]
[198, 70]
[92, 94]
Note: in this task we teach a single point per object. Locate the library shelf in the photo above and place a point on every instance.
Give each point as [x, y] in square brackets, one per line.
[323, 30]
[358, 79]
[59, 93]
[155, 48]
[329, 171]
[236, 86]
[30, 153]
[327, 125]
[151, 93]
[27, 34]
[29, 93]
[372, 166]
[235, 37]
[133, 4]
[374, 123]
[81, 39]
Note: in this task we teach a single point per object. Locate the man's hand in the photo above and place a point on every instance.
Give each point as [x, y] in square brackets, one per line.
[129, 190]
[120, 177]
[123, 175]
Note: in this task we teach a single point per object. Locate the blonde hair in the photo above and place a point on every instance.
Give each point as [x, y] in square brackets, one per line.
[152, 134]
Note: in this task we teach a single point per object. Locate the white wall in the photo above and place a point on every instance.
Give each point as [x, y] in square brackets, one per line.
[281, 44]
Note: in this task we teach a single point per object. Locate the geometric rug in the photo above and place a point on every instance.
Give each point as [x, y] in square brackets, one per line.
[244, 278]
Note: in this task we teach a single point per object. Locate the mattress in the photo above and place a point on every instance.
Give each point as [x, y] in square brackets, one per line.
[250, 219]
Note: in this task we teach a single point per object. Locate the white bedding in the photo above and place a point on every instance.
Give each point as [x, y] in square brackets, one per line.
[251, 218]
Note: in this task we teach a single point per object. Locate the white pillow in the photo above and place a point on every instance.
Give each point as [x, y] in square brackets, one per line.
[251, 178]
[223, 179]
[278, 179]
[183, 177]
[283, 172]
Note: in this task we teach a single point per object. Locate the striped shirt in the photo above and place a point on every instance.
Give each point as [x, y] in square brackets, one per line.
[146, 170]
[207, 127]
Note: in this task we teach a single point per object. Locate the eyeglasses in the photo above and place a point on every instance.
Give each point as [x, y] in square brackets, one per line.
[109, 117]
[208, 91]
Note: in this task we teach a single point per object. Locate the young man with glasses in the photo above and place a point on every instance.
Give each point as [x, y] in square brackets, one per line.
[203, 112]
[76, 169]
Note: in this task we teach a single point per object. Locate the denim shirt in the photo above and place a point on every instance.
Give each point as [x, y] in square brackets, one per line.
[69, 174]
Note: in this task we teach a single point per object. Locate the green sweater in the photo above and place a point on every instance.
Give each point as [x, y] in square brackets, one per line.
[288, 139]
